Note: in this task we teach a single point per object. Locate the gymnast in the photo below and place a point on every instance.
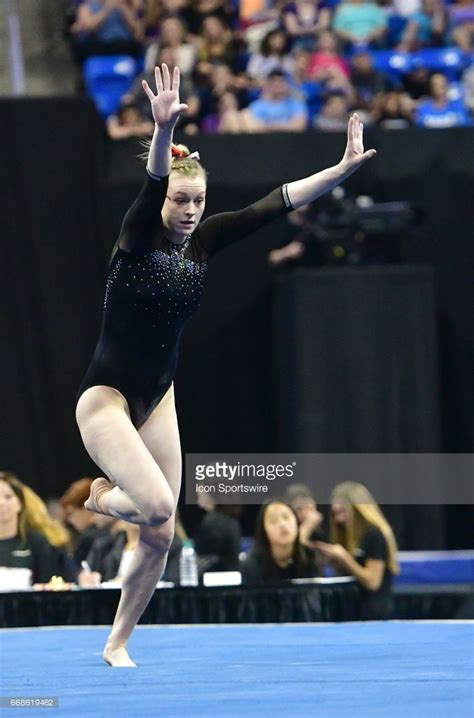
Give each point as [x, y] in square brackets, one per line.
[125, 405]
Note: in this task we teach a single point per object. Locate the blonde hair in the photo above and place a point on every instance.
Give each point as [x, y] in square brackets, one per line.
[186, 166]
[39, 519]
[363, 512]
[34, 514]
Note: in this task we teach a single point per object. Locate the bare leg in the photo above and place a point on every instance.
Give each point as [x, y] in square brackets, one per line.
[144, 495]
[138, 587]
[160, 434]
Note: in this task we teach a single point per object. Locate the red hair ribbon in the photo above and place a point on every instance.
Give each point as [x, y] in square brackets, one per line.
[181, 154]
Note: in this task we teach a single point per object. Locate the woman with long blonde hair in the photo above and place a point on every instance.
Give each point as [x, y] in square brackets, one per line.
[22, 543]
[363, 545]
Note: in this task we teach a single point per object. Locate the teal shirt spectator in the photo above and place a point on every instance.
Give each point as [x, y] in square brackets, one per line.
[359, 19]
[114, 28]
[269, 111]
[423, 30]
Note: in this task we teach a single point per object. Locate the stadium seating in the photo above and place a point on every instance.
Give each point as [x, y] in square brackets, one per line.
[107, 78]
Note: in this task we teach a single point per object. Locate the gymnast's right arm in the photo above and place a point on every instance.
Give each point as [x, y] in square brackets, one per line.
[143, 219]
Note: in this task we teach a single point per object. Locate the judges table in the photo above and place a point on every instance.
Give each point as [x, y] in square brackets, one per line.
[317, 600]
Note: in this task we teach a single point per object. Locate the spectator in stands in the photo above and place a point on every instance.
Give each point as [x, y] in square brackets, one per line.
[425, 28]
[461, 24]
[215, 44]
[416, 82]
[199, 10]
[334, 114]
[303, 503]
[156, 11]
[107, 27]
[20, 545]
[137, 97]
[327, 61]
[360, 22]
[366, 81]
[277, 552]
[39, 519]
[273, 55]
[439, 110]
[308, 90]
[303, 19]
[129, 122]
[85, 525]
[221, 81]
[363, 545]
[227, 119]
[173, 34]
[393, 110]
[217, 537]
[276, 109]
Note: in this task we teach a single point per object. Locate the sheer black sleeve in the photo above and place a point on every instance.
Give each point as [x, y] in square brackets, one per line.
[143, 219]
[223, 229]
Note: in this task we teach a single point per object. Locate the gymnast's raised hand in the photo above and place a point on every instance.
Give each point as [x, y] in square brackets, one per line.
[354, 156]
[165, 105]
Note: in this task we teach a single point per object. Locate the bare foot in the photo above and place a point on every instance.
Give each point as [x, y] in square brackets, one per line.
[118, 657]
[99, 487]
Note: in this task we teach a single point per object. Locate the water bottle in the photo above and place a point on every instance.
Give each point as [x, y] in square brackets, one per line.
[188, 565]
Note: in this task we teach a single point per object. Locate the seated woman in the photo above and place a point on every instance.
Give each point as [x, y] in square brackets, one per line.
[38, 518]
[363, 545]
[303, 19]
[217, 537]
[20, 545]
[425, 28]
[107, 27]
[278, 552]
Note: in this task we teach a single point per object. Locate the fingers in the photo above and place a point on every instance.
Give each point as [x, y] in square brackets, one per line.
[349, 129]
[166, 77]
[148, 91]
[158, 79]
[182, 107]
[175, 85]
[355, 127]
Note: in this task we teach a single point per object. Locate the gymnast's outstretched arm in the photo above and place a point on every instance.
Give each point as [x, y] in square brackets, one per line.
[223, 229]
[310, 188]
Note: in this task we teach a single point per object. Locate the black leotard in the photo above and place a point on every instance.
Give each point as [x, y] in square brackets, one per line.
[151, 292]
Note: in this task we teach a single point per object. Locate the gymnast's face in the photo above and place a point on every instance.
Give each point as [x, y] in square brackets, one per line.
[10, 504]
[183, 206]
[280, 524]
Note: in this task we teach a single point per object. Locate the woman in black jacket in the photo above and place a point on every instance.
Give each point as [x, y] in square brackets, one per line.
[277, 552]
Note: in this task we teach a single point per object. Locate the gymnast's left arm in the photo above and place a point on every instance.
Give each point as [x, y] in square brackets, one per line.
[306, 190]
[221, 230]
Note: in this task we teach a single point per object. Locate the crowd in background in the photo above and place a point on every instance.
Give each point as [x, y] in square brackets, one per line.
[259, 66]
[62, 544]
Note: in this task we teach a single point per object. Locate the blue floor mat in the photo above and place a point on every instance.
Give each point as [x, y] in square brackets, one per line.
[345, 670]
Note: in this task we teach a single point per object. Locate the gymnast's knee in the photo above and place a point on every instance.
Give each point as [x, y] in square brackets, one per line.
[159, 538]
[157, 514]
